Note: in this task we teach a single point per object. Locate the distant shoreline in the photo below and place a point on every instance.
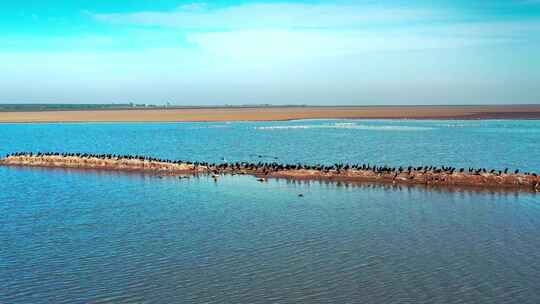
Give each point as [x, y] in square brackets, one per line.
[275, 113]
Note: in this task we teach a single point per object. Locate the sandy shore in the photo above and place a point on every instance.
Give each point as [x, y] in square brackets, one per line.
[277, 113]
[429, 177]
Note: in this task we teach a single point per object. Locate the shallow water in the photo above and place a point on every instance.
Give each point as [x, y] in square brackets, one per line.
[79, 237]
[490, 144]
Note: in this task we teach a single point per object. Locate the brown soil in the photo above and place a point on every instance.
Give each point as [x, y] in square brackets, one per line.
[278, 113]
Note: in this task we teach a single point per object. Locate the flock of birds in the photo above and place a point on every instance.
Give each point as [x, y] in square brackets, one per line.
[269, 167]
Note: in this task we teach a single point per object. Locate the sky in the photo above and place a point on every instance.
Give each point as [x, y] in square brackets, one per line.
[277, 52]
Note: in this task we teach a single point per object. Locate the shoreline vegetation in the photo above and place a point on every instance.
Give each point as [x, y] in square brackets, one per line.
[124, 113]
[364, 173]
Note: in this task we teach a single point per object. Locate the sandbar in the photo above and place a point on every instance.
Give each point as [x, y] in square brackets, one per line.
[429, 176]
[276, 113]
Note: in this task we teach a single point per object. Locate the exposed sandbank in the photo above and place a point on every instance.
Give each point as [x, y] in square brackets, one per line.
[277, 113]
[445, 176]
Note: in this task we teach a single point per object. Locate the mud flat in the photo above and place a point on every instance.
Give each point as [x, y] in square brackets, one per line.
[276, 113]
[446, 177]
[95, 163]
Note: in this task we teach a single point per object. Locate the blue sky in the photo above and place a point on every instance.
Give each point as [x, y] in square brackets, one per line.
[280, 52]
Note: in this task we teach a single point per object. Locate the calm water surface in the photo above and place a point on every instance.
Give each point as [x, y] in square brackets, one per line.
[79, 237]
[512, 144]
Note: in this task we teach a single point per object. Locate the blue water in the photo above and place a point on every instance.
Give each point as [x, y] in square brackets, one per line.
[501, 144]
[78, 237]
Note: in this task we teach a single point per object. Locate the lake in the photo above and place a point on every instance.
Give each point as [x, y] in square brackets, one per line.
[71, 236]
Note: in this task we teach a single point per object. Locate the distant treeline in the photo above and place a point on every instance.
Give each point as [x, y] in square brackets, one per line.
[60, 107]
[28, 107]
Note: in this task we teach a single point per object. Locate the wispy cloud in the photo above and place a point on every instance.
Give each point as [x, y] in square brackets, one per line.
[279, 30]
[273, 15]
[282, 43]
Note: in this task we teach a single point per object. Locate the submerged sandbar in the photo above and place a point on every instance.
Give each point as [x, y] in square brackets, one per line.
[423, 175]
